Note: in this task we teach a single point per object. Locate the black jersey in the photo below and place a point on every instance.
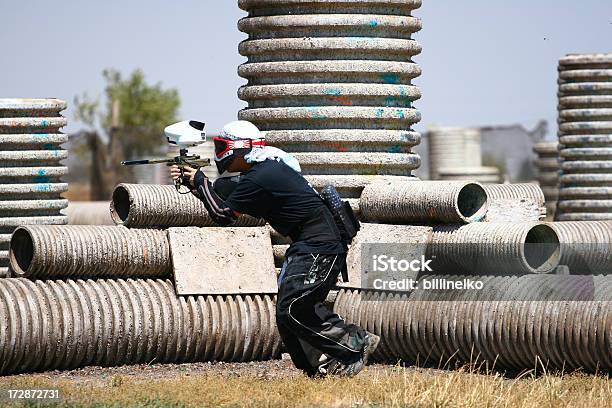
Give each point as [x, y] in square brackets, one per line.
[277, 193]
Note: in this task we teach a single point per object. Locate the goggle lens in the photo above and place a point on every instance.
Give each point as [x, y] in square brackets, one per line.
[223, 147]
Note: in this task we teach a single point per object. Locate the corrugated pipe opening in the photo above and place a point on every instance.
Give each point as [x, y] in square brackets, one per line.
[120, 205]
[22, 251]
[472, 202]
[541, 249]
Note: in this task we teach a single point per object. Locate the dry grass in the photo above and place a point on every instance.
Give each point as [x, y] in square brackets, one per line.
[377, 387]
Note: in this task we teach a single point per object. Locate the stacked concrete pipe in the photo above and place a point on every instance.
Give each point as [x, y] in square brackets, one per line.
[71, 251]
[513, 323]
[75, 323]
[586, 246]
[331, 82]
[517, 191]
[485, 248]
[151, 206]
[453, 148]
[351, 187]
[424, 201]
[495, 248]
[585, 137]
[515, 202]
[30, 169]
[547, 164]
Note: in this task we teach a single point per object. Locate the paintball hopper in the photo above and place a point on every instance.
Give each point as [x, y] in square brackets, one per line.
[186, 134]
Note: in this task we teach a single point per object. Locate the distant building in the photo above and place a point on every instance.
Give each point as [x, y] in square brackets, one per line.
[508, 147]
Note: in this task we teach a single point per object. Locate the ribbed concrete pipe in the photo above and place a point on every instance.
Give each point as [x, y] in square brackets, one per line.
[30, 169]
[41, 252]
[141, 205]
[424, 201]
[586, 246]
[89, 213]
[444, 330]
[413, 328]
[331, 82]
[453, 147]
[69, 324]
[547, 161]
[585, 135]
[530, 191]
[548, 173]
[491, 248]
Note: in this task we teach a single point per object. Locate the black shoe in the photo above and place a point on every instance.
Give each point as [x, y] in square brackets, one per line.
[330, 366]
[371, 343]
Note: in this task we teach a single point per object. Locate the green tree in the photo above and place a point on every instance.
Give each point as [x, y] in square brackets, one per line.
[130, 125]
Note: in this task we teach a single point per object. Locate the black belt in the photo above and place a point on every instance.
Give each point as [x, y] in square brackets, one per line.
[320, 227]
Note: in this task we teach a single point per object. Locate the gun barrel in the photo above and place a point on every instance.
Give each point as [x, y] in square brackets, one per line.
[179, 160]
[139, 162]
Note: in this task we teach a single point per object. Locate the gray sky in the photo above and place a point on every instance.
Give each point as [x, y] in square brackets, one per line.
[484, 61]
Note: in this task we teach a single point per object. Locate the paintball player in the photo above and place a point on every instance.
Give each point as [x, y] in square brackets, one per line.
[271, 187]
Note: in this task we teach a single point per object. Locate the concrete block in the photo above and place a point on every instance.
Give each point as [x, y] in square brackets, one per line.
[222, 261]
[515, 210]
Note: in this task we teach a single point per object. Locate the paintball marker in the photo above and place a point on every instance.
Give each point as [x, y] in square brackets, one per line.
[184, 134]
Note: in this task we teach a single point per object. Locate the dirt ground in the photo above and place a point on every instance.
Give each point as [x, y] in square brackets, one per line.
[99, 376]
[279, 384]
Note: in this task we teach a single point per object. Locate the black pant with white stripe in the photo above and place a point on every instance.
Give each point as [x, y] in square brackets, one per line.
[307, 327]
